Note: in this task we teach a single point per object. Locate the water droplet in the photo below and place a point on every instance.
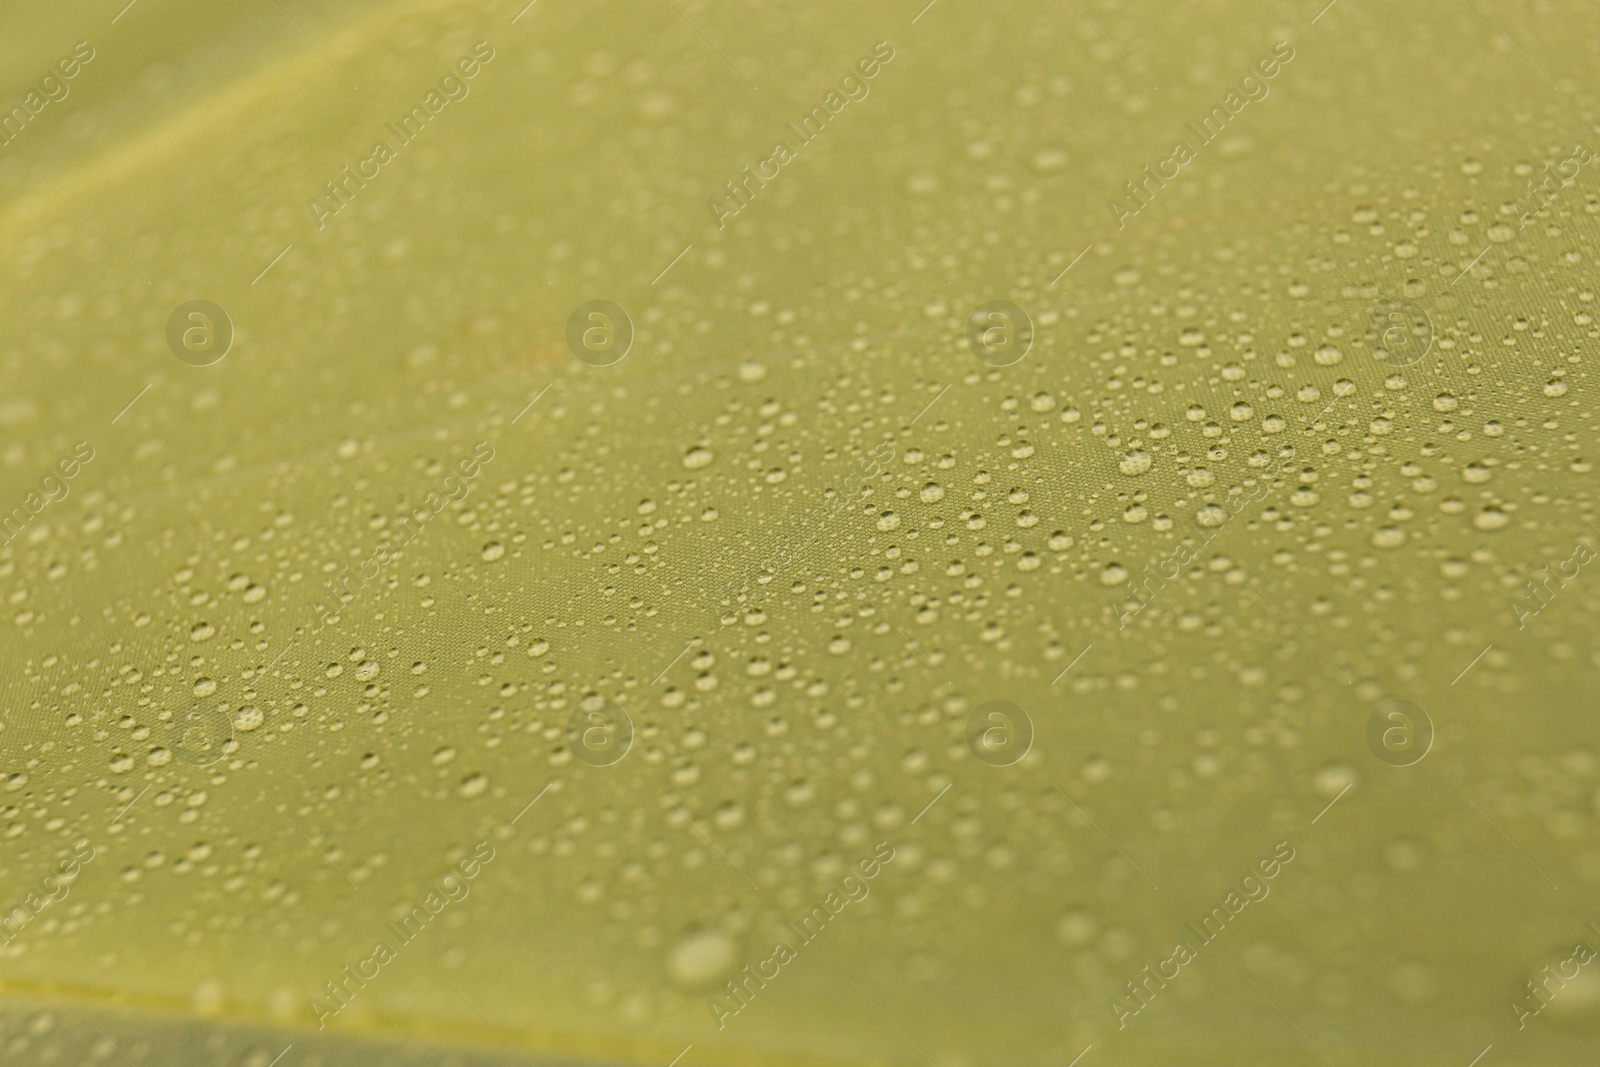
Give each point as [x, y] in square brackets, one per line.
[1135, 462]
[1491, 518]
[701, 957]
[1389, 537]
[1076, 927]
[1047, 160]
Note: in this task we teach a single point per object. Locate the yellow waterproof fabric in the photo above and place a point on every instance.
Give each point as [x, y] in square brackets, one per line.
[1066, 534]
